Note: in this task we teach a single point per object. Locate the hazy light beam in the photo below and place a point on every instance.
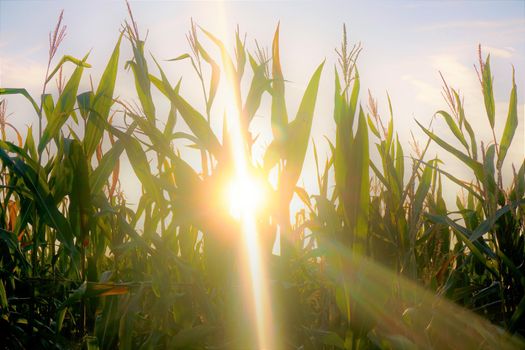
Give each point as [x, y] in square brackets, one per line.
[251, 253]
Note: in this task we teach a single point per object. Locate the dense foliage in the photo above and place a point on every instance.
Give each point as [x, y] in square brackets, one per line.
[377, 258]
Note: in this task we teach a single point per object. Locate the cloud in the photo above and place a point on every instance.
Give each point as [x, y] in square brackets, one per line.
[21, 72]
[426, 92]
[506, 52]
[457, 74]
[518, 23]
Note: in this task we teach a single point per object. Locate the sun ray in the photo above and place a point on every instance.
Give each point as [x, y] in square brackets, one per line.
[245, 196]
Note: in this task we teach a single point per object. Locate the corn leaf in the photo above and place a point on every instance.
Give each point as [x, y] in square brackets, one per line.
[64, 59]
[279, 116]
[488, 94]
[139, 68]
[80, 196]
[471, 163]
[510, 126]
[42, 195]
[63, 108]
[23, 92]
[258, 86]
[453, 127]
[422, 191]
[101, 103]
[215, 76]
[106, 165]
[297, 142]
[48, 105]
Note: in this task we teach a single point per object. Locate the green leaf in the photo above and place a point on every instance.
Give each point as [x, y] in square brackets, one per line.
[473, 143]
[101, 103]
[215, 76]
[297, 142]
[198, 125]
[303, 195]
[180, 57]
[142, 83]
[459, 105]
[457, 181]
[64, 59]
[354, 97]
[23, 92]
[338, 99]
[372, 127]
[63, 109]
[379, 175]
[258, 86]
[60, 319]
[465, 236]
[489, 170]
[3, 297]
[489, 223]
[422, 191]
[474, 165]
[510, 126]
[195, 121]
[10, 239]
[488, 94]
[29, 146]
[352, 164]
[48, 105]
[240, 54]
[85, 102]
[106, 165]
[518, 186]
[390, 129]
[279, 115]
[454, 128]
[141, 167]
[400, 161]
[232, 74]
[44, 200]
[80, 197]
[271, 155]
[360, 184]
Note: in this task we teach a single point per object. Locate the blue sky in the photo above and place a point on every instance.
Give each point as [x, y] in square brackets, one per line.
[405, 44]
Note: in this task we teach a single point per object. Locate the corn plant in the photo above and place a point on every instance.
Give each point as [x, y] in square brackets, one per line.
[376, 259]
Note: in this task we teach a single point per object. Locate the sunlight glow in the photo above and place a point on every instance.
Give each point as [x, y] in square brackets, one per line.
[245, 197]
[244, 194]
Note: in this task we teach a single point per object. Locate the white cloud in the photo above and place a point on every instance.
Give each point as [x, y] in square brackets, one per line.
[457, 75]
[477, 24]
[426, 92]
[506, 52]
[455, 72]
[16, 71]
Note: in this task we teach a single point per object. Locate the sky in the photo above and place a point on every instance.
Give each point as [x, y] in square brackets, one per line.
[405, 46]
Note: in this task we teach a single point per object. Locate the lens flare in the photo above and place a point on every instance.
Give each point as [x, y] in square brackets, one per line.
[245, 197]
[244, 194]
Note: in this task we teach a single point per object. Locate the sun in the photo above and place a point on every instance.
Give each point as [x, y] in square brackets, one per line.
[245, 196]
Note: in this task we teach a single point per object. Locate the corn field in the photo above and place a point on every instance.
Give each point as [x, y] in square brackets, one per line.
[374, 257]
